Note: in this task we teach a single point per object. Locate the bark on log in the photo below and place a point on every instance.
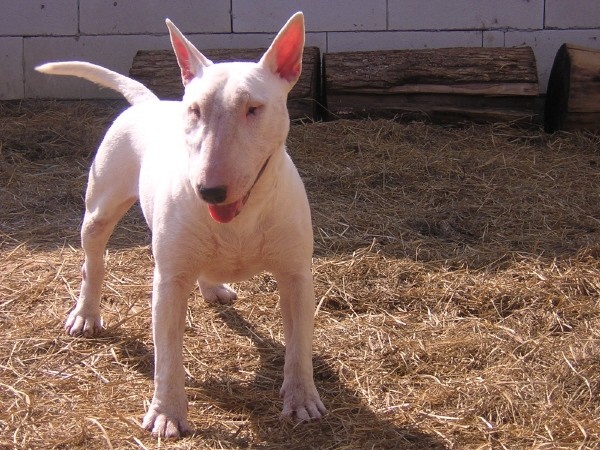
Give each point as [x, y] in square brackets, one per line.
[443, 85]
[573, 95]
[158, 70]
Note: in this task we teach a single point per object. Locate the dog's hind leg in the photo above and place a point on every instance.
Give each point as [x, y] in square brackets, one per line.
[107, 199]
[217, 294]
[85, 318]
[97, 227]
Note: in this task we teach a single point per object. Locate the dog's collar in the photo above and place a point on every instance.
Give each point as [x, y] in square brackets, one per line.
[260, 172]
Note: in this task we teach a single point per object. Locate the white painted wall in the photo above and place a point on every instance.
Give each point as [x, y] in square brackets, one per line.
[109, 32]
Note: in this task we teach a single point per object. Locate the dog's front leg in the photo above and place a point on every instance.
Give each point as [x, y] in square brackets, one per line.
[297, 300]
[167, 415]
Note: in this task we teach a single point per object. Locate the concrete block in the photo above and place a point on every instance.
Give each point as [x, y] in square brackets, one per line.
[465, 14]
[393, 40]
[251, 40]
[572, 14]
[147, 16]
[11, 75]
[259, 16]
[493, 38]
[31, 18]
[545, 44]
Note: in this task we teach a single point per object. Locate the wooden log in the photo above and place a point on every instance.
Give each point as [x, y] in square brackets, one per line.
[573, 95]
[442, 85]
[158, 70]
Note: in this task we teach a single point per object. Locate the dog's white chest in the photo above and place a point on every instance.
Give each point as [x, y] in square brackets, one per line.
[227, 256]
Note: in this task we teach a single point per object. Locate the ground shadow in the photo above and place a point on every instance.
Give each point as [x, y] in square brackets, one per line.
[350, 421]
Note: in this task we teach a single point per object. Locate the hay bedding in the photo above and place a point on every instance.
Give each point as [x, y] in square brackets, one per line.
[457, 278]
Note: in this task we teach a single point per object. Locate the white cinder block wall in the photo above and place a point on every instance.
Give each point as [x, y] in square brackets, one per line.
[109, 32]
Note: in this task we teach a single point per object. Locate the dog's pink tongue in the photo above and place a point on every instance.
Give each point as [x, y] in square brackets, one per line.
[225, 213]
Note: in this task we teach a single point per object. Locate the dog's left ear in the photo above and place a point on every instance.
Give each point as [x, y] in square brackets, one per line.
[284, 56]
[190, 60]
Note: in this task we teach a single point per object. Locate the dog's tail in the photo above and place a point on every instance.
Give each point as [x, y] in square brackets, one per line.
[132, 90]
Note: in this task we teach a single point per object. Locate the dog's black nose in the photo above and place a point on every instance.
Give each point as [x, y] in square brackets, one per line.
[213, 195]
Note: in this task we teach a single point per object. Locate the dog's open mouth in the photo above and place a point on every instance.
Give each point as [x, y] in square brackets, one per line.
[226, 213]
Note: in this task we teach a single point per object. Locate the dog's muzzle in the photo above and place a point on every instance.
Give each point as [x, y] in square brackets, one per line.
[215, 197]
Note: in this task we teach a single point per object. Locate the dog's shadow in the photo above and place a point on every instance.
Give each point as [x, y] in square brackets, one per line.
[350, 422]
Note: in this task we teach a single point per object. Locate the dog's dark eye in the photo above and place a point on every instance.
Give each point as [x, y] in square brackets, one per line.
[195, 111]
[252, 110]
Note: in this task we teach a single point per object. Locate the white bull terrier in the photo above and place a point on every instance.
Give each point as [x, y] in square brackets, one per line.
[223, 200]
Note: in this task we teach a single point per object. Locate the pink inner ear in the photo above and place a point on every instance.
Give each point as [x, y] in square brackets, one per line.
[289, 53]
[183, 58]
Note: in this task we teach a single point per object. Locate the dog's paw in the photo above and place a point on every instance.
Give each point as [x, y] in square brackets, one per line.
[220, 294]
[301, 402]
[165, 425]
[81, 323]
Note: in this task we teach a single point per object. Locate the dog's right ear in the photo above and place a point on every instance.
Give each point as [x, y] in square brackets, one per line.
[190, 60]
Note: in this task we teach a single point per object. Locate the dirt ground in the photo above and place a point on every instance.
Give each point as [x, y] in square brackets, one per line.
[457, 277]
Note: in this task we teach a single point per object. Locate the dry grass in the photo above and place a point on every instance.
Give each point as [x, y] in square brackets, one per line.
[457, 278]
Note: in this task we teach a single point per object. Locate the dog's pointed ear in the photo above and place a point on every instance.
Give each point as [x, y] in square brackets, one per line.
[284, 56]
[190, 60]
